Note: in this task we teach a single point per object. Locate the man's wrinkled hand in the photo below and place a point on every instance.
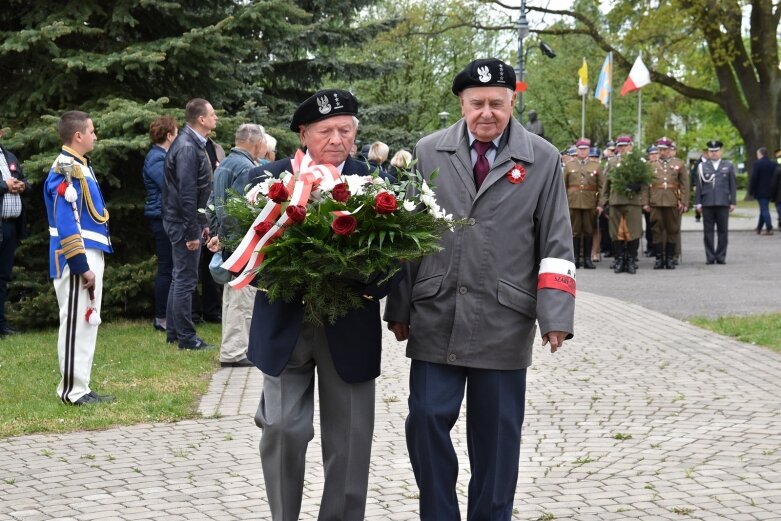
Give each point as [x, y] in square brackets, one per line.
[88, 279]
[555, 339]
[400, 330]
[214, 244]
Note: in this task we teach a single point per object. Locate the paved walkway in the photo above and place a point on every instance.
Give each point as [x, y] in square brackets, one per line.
[640, 417]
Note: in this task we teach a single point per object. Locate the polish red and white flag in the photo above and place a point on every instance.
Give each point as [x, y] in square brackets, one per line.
[638, 78]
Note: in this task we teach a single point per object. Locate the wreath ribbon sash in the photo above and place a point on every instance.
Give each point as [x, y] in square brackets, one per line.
[248, 257]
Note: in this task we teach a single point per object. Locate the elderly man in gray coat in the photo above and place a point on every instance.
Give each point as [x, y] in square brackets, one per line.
[469, 311]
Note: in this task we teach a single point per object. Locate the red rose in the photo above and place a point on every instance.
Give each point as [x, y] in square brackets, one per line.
[385, 202]
[297, 213]
[344, 225]
[61, 189]
[263, 227]
[278, 192]
[340, 193]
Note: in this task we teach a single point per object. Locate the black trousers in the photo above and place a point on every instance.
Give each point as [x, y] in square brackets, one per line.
[7, 249]
[717, 216]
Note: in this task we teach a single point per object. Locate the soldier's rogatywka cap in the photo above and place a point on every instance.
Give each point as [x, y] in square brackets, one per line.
[324, 104]
[610, 145]
[583, 143]
[593, 152]
[714, 144]
[664, 142]
[624, 140]
[571, 151]
[487, 72]
[652, 149]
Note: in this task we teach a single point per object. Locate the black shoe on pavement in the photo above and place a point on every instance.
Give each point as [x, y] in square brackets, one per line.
[721, 261]
[92, 398]
[239, 363]
[198, 345]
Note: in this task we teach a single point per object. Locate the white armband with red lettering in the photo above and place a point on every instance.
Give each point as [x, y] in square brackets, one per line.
[557, 274]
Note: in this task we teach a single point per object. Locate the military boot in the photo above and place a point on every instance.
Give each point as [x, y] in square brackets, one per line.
[588, 241]
[631, 256]
[576, 249]
[670, 260]
[620, 257]
[659, 254]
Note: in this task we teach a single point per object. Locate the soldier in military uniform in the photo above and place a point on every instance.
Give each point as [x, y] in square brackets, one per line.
[668, 195]
[584, 181]
[716, 197]
[626, 213]
[78, 230]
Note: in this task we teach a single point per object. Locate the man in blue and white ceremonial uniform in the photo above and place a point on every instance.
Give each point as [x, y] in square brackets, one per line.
[78, 229]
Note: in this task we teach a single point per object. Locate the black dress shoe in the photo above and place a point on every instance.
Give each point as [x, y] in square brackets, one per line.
[6, 330]
[710, 262]
[240, 363]
[198, 345]
[158, 327]
[721, 261]
[91, 398]
[170, 340]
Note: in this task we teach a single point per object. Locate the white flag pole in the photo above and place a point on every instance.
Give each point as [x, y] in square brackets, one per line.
[639, 140]
[583, 115]
[610, 102]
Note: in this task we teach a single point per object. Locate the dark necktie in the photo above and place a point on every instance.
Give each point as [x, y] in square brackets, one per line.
[481, 167]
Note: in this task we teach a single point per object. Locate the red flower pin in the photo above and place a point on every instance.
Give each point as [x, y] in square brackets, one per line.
[516, 174]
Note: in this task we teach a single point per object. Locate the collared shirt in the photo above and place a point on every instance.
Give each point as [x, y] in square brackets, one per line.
[716, 164]
[12, 203]
[490, 155]
[202, 140]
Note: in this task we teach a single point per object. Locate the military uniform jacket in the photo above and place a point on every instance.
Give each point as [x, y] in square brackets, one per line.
[716, 187]
[584, 182]
[613, 197]
[68, 237]
[475, 303]
[671, 183]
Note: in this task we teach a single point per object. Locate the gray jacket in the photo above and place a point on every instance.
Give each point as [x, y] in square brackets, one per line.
[716, 188]
[475, 303]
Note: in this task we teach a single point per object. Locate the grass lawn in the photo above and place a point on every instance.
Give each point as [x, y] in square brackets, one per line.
[764, 330]
[153, 381]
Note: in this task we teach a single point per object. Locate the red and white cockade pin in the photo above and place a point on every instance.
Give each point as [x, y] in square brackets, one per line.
[517, 174]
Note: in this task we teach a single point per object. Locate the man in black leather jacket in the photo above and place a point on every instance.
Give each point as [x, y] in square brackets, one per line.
[188, 184]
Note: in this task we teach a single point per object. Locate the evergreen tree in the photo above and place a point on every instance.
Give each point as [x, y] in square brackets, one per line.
[127, 62]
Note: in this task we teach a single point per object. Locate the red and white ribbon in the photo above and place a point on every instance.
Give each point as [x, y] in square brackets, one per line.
[557, 274]
[248, 257]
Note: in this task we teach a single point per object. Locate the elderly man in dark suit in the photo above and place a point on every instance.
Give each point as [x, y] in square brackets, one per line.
[12, 186]
[469, 311]
[346, 355]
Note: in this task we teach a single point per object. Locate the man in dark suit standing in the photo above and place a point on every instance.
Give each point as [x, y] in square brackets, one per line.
[12, 185]
[716, 197]
[346, 355]
[761, 188]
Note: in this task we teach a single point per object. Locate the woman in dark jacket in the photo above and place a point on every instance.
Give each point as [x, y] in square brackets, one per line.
[162, 132]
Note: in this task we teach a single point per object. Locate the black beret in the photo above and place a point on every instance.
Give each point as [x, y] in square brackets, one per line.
[324, 104]
[714, 144]
[485, 73]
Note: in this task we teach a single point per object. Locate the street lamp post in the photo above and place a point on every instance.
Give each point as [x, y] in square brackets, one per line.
[443, 116]
[523, 32]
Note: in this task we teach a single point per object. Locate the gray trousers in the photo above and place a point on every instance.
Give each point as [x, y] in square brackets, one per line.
[286, 413]
[178, 313]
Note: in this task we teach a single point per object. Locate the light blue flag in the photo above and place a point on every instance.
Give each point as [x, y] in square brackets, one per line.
[605, 82]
